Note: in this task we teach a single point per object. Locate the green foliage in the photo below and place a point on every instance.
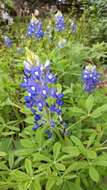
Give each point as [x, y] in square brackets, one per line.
[76, 161]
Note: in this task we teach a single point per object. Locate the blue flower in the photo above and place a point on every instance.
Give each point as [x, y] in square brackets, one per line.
[38, 29]
[35, 127]
[60, 26]
[31, 28]
[37, 117]
[90, 77]
[48, 133]
[35, 28]
[39, 82]
[52, 123]
[7, 41]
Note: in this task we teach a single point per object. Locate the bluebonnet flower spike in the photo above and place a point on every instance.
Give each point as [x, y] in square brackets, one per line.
[39, 82]
[60, 26]
[7, 41]
[90, 77]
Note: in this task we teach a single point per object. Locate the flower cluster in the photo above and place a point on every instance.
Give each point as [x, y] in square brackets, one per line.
[7, 41]
[42, 97]
[60, 26]
[35, 28]
[90, 77]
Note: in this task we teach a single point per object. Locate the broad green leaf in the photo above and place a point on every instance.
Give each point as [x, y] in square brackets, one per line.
[92, 139]
[101, 163]
[11, 160]
[19, 175]
[27, 143]
[73, 150]
[74, 186]
[40, 157]
[23, 152]
[60, 167]
[75, 166]
[71, 176]
[78, 143]
[89, 103]
[24, 185]
[44, 167]
[2, 154]
[99, 111]
[91, 154]
[50, 183]
[36, 185]
[94, 174]
[56, 150]
[3, 166]
[28, 167]
[29, 119]
[77, 110]
[7, 185]
[66, 157]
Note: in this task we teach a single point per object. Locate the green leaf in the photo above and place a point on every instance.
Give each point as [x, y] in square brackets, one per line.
[19, 175]
[7, 185]
[101, 163]
[23, 152]
[56, 150]
[73, 186]
[99, 111]
[36, 185]
[29, 120]
[68, 177]
[74, 151]
[11, 160]
[91, 154]
[94, 174]
[76, 110]
[50, 183]
[91, 139]
[40, 157]
[60, 167]
[28, 167]
[89, 103]
[27, 143]
[78, 143]
[75, 166]
[2, 154]
[24, 185]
